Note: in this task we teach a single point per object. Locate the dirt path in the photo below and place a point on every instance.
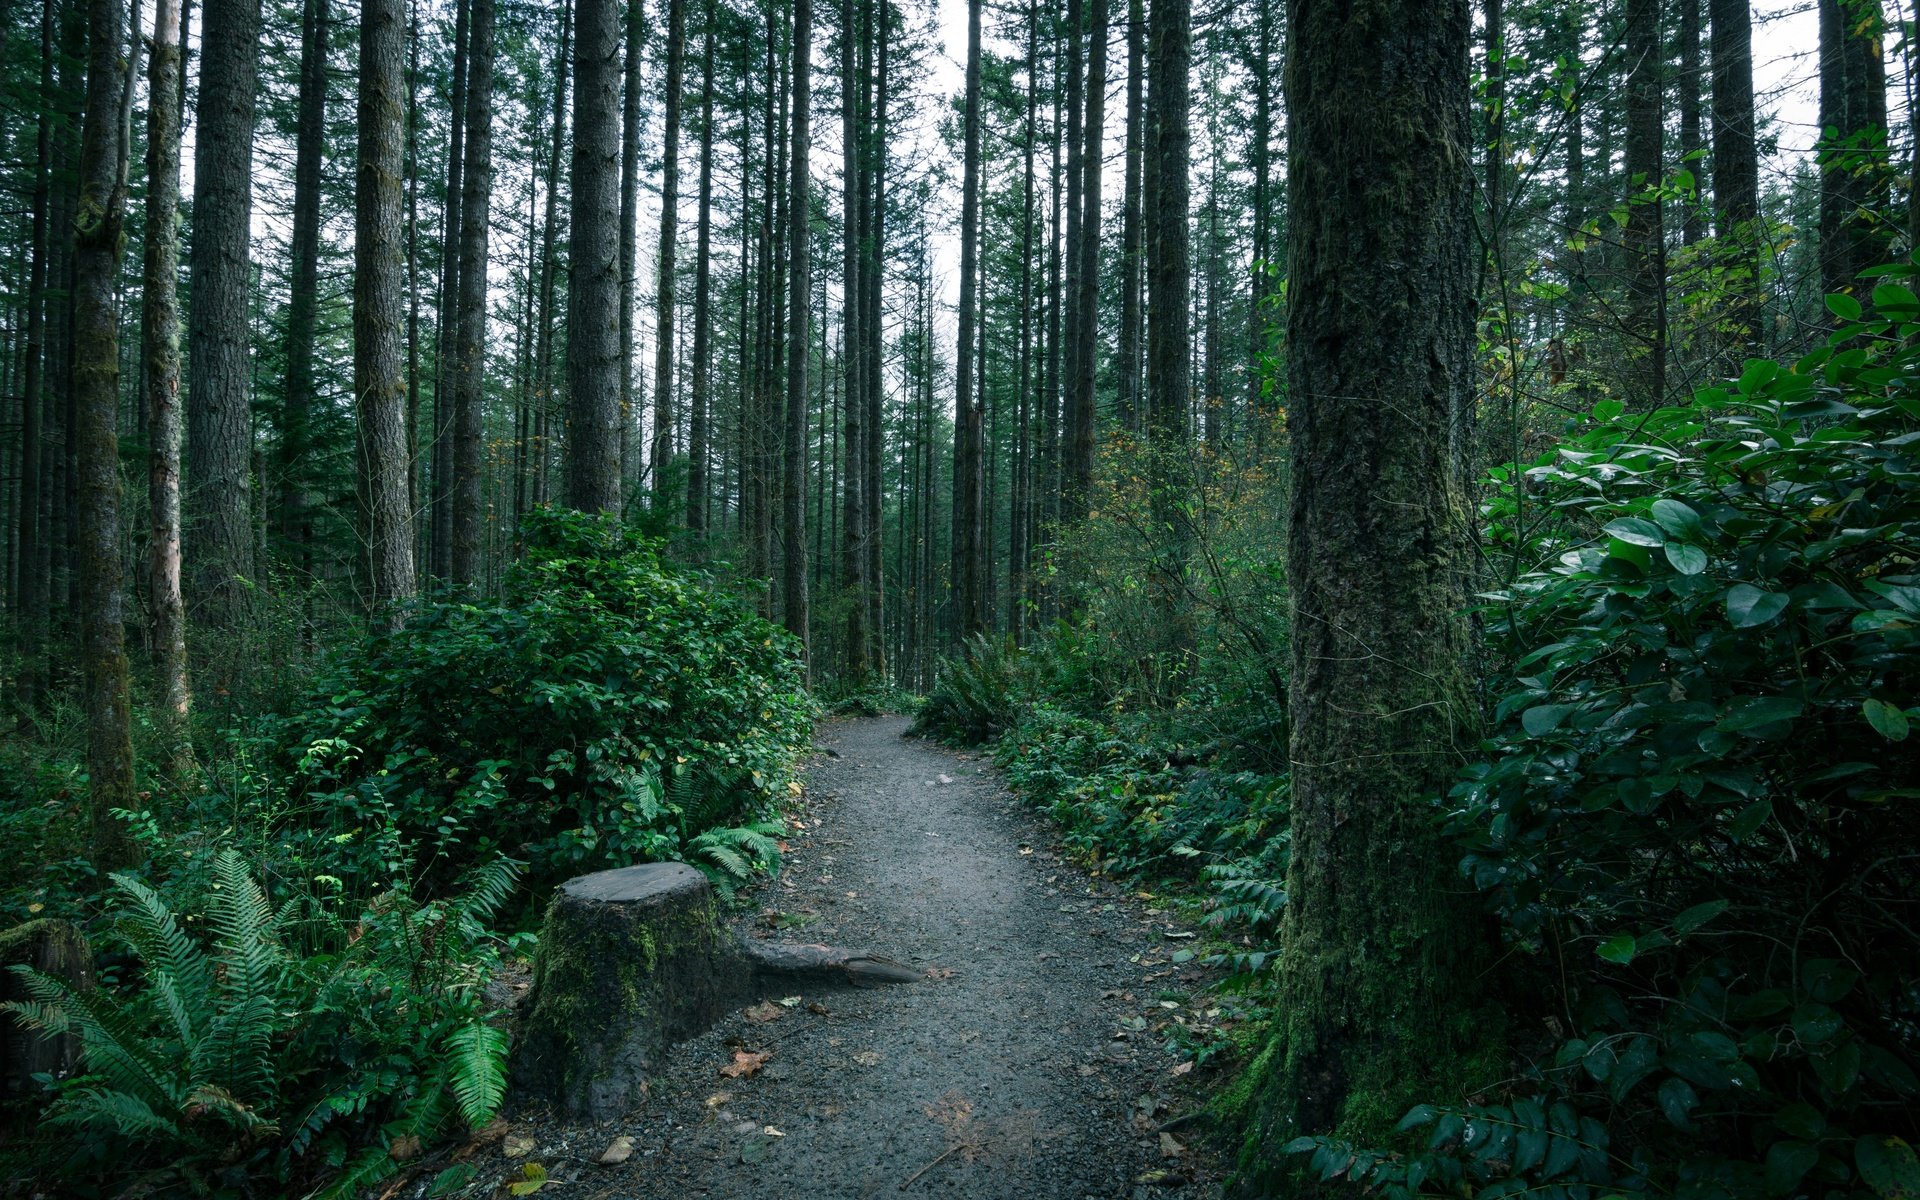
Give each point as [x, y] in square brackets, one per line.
[1023, 1065]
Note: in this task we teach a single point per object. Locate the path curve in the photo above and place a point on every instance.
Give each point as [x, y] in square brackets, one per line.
[1011, 1071]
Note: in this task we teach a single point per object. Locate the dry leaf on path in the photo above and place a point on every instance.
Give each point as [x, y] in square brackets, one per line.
[404, 1148]
[517, 1145]
[617, 1152]
[746, 1063]
[765, 1011]
[940, 972]
[1170, 1146]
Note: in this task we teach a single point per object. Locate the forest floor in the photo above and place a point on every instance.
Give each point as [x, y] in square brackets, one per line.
[1023, 1064]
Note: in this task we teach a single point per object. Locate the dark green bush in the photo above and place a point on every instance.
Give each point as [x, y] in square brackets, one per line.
[609, 707]
[1695, 817]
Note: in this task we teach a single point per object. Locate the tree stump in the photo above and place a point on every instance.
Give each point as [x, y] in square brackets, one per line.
[635, 959]
[55, 948]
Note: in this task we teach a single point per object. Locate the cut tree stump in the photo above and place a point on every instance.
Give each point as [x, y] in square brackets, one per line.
[51, 947]
[636, 959]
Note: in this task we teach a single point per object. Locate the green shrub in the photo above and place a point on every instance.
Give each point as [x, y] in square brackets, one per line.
[973, 696]
[286, 1042]
[608, 708]
[1695, 814]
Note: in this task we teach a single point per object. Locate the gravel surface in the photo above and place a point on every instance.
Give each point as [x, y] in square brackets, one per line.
[1024, 1064]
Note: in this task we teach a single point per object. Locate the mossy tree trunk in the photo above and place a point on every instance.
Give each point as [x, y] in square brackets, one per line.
[1381, 952]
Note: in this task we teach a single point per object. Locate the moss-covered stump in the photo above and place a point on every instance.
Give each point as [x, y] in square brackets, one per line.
[635, 959]
[55, 948]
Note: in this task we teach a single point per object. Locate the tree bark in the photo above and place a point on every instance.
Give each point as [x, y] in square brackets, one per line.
[1687, 97]
[98, 231]
[160, 359]
[1169, 336]
[379, 306]
[447, 326]
[853, 567]
[968, 615]
[1853, 146]
[1086, 334]
[470, 337]
[1130, 237]
[34, 557]
[219, 539]
[1381, 962]
[1644, 235]
[793, 484]
[296, 435]
[1736, 164]
[632, 122]
[593, 285]
[661, 451]
[697, 434]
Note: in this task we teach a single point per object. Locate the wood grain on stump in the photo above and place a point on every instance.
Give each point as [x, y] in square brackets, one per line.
[635, 959]
[51, 947]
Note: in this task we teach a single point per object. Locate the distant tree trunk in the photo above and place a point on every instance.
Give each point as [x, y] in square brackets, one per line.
[96, 378]
[379, 306]
[34, 557]
[160, 359]
[1169, 337]
[853, 357]
[1130, 255]
[793, 484]
[1687, 96]
[470, 325]
[1072, 506]
[632, 396]
[296, 435]
[1086, 334]
[1736, 164]
[447, 326]
[593, 285]
[1853, 161]
[661, 451]
[968, 480]
[549, 234]
[1259, 317]
[697, 486]
[873, 328]
[1381, 957]
[1644, 236]
[1020, 541]
[219, 539]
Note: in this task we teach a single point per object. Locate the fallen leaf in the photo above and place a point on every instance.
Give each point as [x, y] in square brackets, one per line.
[766, 1010]
[533, 1177]
[940, 972]
[789, 1001]
[868, 1058]
[770, 1131]
[718, 1098]
[1170, 1147]
[1183, 1067]
[403, 1148]
[755, 1148]
[746, 1063]
[617, 1152]
[818, 1009]
[517, 1146]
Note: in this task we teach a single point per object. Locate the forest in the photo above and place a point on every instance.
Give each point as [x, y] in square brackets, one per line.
[1394, 522]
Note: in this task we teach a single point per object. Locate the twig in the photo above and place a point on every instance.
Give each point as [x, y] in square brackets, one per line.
[913, 1178]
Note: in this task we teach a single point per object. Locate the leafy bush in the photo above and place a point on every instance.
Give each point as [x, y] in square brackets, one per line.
[1695, 815]
[973, 697]
[608, 708]
[241, 1054]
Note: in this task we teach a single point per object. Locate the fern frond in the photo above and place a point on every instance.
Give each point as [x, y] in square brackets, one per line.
[113, 1113]
[238, 1045]
[167, 950]
[477, 1070]
[485, 889]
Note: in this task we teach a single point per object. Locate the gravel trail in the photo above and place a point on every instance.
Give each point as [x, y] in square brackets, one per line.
[1023, 1065]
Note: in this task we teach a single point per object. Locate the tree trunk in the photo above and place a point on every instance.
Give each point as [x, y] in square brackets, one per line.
[661, 450]
[447, 326]
[1687, 96]
[873, 328]
[470, 323]
[697, 485]
[1169, 339]
[295, 464]
[793, 484]
[1644, 236]
[96, 380]
[1853, 162]
[593, 285]
[379, 306]
[219, 539]
[853, 359]
[160, 359]
[1736, 164]
[1130, 250]
[35, 599]
[968, 482]
[1086, 335]
[1381, 961]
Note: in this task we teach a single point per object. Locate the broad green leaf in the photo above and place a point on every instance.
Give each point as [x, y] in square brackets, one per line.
[1844, 307]
[1888, 1166]
[1677, 1100]
[1748, 606]
[1789, 1162]
[1758, 374]
[1619, 949]
[1686, 558]
[1544, 718]
[1635, 530]
[1889, 722]
[1751, 712]
[1676, 517]
[1693, 918]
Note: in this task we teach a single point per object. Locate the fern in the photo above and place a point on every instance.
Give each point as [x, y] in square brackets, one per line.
[477, 1070]
[733, 855]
